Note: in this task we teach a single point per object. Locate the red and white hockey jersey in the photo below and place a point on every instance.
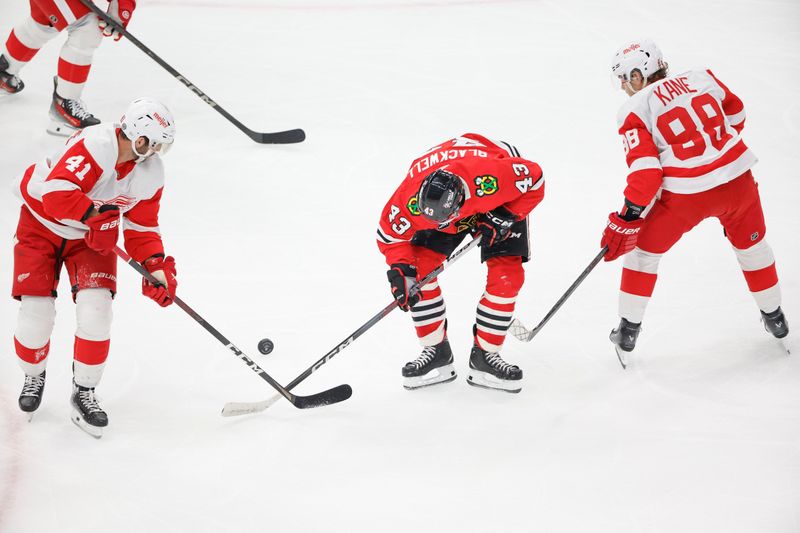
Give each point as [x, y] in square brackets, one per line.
[494, 173]
[60, 190]
[682, 134]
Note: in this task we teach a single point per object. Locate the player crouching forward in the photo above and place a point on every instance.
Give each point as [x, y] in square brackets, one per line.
[70, 217]
[468, 184]
[681, 136]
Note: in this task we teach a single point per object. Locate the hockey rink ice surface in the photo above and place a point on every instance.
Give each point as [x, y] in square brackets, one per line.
[700, 434]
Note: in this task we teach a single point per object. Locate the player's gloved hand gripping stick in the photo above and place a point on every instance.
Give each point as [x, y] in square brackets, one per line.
[278, 137]
[246, 408]
[331, 396]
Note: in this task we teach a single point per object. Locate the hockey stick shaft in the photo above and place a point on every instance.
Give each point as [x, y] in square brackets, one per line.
[526, 335]
[334, 395]
[281, 137]
[236, 408]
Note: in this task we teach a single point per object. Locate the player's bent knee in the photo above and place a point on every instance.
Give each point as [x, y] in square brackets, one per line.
[33, 33]
[37, 315]
[94, 314]
[85, 35]
[506, 276]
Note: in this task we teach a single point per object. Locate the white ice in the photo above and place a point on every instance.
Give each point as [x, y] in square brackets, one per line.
[700, 434]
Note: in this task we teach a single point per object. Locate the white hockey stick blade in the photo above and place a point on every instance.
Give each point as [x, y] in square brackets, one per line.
[519, 331]
[248, 408]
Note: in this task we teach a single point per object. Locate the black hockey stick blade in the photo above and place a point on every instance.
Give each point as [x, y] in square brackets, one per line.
[321, 399]
[278, 137]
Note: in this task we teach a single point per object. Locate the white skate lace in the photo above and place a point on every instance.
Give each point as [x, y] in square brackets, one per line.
[427, 355]
[33, 385]
[88, 401]
[77, 108]
[494, 360]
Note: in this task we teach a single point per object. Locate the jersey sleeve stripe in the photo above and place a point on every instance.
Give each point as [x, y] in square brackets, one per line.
[386, 239]
[737, 118]
[127, 224]
[57, 185]
[644, 163]
[512, 150]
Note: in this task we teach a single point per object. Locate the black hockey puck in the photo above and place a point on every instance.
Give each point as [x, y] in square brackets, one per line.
[265, 346]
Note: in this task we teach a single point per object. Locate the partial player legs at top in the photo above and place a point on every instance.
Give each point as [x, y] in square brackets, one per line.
[67, 111]
[48, 18]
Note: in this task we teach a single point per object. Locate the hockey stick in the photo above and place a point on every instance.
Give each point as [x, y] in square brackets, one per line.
[278, 137]
[330, 396]
[524, 334]
[246, 408]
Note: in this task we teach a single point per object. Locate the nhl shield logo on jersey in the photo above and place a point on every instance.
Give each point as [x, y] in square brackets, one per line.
[486, 185]
[413, 206]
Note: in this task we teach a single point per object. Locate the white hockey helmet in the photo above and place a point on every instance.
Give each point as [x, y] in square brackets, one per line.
[642, 55]
[151, 119]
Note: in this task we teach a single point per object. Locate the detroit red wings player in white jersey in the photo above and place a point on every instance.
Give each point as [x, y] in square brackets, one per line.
[70, 217]
[686, 157]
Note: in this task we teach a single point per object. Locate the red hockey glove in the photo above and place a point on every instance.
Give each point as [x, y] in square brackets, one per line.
[402, 277]
[103, 229]
[620, 236]
[495, 225]
[120, 11]
[163, 269]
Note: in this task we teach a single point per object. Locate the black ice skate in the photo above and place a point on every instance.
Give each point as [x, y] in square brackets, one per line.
[86, 412]
[775, 323]
[9, 83]
[68, 116]
[488, 370]
[31, 395]
[624, 339]
[434, 365]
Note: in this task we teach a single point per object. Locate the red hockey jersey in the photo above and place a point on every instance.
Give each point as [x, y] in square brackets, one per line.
[60, 190]
[682, 134]
[494, 174]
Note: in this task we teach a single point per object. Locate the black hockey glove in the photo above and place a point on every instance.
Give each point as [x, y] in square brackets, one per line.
[402, 277]
[495, 225]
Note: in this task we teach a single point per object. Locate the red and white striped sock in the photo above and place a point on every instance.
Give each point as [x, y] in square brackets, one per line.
[758, 267]
[639, 276]
[492, 318]
[430, 314]
[90, 359]
[32, 360]
[24, 41]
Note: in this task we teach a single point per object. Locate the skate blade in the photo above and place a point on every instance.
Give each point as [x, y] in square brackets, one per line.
[484, 380]
[785, 343]
[78, 420]
[61, 129]
[443, 374]
[622, 358]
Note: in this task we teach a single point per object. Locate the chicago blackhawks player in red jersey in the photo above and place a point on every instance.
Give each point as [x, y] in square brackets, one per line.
[85, 31]
[468, 184]
[70, 217]
[681, 136]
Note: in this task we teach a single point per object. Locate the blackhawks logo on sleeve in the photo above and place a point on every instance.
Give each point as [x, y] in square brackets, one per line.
[486, 185]
[413, 206]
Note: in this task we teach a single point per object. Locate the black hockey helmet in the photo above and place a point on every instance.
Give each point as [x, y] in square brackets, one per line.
[441, 196]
